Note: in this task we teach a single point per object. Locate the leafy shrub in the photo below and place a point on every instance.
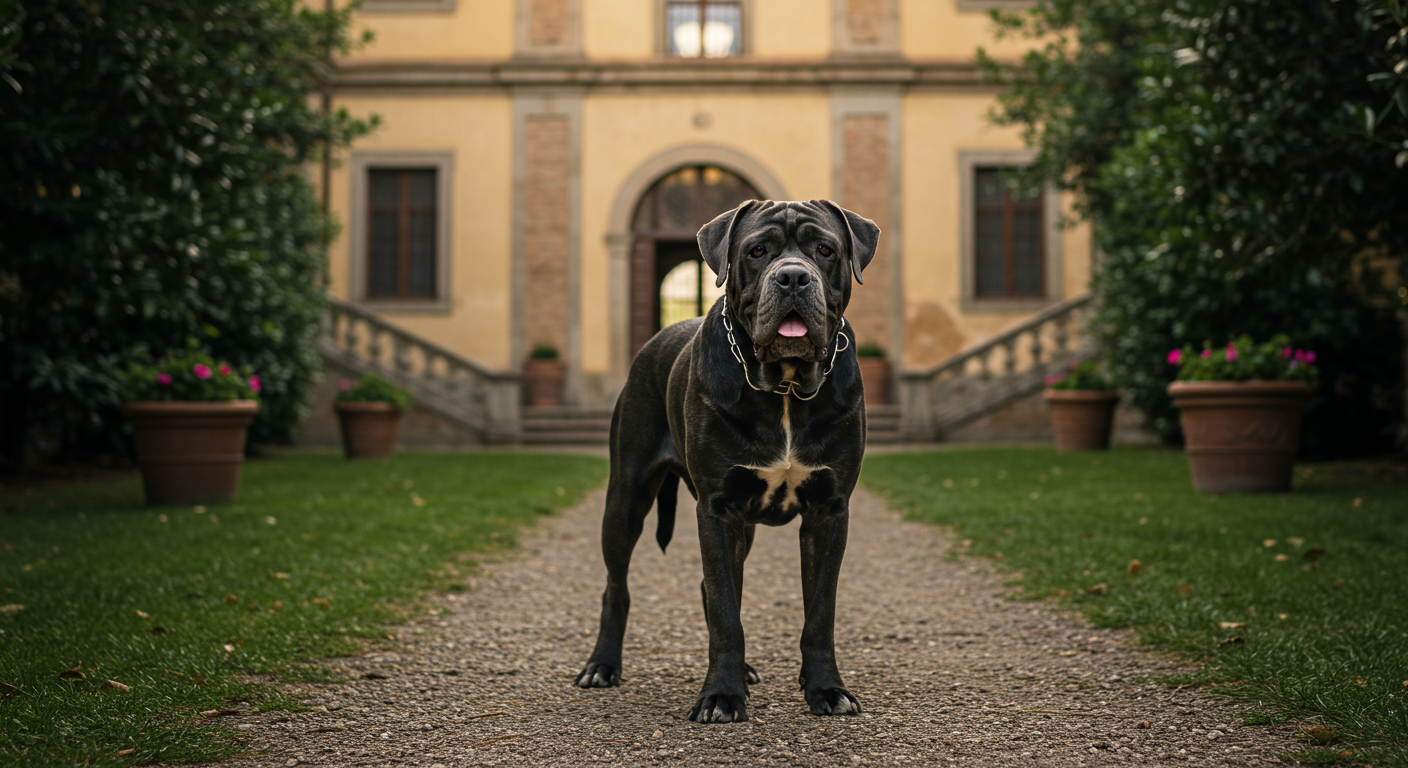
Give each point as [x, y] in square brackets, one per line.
[1245, 360]
[156, 200]
[1086, 376]
[1239, 182]
[870, 349]
[188, 377]
[373, 389]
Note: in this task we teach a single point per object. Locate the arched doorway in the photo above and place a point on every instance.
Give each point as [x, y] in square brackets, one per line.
[669, 280]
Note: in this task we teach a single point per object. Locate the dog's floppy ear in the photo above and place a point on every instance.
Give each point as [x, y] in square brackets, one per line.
[716, 237]
[864, 235]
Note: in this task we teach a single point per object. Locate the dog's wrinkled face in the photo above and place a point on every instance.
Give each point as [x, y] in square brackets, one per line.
[789, 267]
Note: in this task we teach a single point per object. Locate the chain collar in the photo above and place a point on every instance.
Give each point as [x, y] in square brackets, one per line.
[787, 386]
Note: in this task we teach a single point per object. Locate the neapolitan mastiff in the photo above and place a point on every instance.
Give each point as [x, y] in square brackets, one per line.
[758, 407]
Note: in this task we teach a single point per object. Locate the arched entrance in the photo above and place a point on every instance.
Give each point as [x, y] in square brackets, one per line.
[669, 280]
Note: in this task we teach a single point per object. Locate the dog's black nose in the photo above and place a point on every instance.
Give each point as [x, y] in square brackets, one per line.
[792, 279]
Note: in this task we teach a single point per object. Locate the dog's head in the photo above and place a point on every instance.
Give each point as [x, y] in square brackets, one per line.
[788, 267]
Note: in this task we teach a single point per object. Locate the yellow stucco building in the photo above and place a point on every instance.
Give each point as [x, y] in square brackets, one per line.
[541, 166]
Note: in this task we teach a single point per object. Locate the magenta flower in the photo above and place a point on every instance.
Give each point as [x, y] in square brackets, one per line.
[1175, 357]
[254, 383]
[1207, 353]
[1050, 380]
[344, 385]
[1231, 353]
[1309, 357]
[224, 370]
[201, 370]
[163, 379]
[1286, 352]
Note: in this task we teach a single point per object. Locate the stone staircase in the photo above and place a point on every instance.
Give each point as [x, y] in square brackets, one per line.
[994, 372]
[933, 402]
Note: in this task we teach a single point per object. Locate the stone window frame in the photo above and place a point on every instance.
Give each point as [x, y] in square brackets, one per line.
[662, 46]
[407, 6]
[360, 164]
[969, 160]
[995, 5]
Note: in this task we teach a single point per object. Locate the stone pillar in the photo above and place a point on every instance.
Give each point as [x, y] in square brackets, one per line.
[546, 230]
[866, 180]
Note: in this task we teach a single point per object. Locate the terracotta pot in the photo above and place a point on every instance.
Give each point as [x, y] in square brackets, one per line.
[875, 377]
[1240, 436]
[368, 428]
[190, 453]
[1081, 418]
[543, 379]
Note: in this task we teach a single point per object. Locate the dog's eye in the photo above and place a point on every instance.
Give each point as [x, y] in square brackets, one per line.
[823, 250]
[758, 251]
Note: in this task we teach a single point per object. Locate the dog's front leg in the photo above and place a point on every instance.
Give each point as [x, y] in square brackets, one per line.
[823, 539]
[723, 545]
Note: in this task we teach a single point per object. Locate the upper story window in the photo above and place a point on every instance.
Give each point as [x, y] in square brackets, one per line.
[704, 28]
[402, 249]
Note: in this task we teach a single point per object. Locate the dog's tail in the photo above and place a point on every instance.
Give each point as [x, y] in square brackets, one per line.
[665, 509]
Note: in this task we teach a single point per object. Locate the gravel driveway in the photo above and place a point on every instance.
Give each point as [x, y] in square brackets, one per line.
[947, 671]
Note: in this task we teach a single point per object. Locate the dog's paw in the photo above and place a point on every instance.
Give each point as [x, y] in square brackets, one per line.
[832, 701]
[719, 708]
[596, 675]
[751, 674]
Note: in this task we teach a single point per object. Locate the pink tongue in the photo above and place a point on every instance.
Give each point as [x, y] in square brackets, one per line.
[792, 327]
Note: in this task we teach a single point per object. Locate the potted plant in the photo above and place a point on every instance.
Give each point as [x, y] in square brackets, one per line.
[543, 375]
[1240, 407]
[874, 373]
[370, 416]
[1082, 404]
[189, 419]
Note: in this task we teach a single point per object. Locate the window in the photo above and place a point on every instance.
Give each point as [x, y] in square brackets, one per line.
[1007, 237]
[399, 229]
[703, 28]
[401, 245]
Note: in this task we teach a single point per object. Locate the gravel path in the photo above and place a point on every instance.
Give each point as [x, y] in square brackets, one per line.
[947, 671]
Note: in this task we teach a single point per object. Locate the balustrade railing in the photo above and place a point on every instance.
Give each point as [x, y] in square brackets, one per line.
[442, 381]
[992, 373]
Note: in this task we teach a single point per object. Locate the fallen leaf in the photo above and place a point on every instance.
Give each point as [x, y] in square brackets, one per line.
[1282, 616]
[229, 648]
[280, 576]
[1346, 753]
[210, 713]
[199, 510]
[231, 599]
[1098, 589]
[1231, 624]
[1358, 502]
[1283, 557]
[126, 752]
[271, 520]
[1145, 724]
[1135, 566]
[144, 614]
[161, 518]
[1312, 553]
[72, 674]
[113, 685]
[1322, 734]
[1186, 589]
[1268, 543]
[11, 608]
[200, 680]
[1295, 541]
[322, 602]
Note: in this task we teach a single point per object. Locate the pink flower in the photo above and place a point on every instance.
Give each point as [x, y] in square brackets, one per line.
[1207, 353]
[254, 383]
[224, 370]
[1050, 380]
[344, 385]
[1231, 353]
[201, 370]
[163, 379]
[1286, 352]
[1309, 357]
[1175, 357]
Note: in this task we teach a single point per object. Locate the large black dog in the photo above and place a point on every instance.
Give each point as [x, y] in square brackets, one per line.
[758, 408]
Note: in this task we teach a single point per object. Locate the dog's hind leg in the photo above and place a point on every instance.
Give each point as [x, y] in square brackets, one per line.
[628, 500]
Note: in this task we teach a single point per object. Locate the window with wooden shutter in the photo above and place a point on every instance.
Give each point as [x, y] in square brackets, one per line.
[1008, 239]
[401, 241]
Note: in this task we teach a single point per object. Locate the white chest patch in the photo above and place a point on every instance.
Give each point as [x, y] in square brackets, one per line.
[787, 471]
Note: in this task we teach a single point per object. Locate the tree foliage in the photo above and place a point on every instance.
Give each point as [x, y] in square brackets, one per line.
[154, 200]
[1240, 163]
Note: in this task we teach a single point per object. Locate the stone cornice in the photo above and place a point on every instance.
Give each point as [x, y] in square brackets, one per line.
[368, 75]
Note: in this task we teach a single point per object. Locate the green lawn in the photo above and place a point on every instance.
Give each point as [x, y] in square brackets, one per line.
[315, 559]
[1298, 602]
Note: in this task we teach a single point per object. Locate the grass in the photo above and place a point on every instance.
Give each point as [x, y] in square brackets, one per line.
[1297, 602]
[183, 604]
